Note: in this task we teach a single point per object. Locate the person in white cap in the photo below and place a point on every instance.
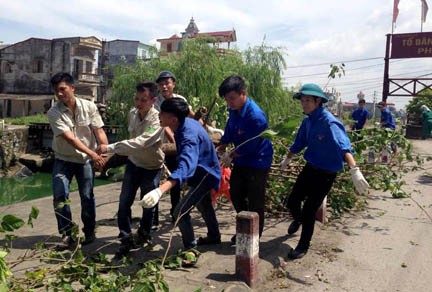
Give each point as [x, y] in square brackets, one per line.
[327, 149]
[426, 122]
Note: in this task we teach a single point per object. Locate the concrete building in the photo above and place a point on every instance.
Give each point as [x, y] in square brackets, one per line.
[119, 52]
[26, 68]
[173, 44]
[124, 52]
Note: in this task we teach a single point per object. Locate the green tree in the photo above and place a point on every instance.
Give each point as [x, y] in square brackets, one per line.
[200, 68]
[414, 105]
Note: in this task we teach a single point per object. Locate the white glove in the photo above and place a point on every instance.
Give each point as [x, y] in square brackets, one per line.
[360, 183]
[226, 159]
[151, 198]
[284, 163]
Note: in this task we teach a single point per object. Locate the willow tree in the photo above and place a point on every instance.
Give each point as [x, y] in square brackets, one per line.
[200, 68]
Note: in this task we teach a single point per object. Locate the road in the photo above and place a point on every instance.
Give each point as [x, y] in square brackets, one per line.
[386, 247]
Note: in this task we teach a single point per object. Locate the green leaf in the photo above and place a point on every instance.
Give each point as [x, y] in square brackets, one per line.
[33, 215]
[268, 134]
[11, 222]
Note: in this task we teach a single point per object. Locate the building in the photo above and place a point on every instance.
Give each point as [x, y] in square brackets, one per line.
[173, 44]
[120, 52]
[124, 52]
[26, 68]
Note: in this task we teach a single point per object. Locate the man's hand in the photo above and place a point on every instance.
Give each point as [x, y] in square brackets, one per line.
[226, 159]
[360, 183]
[101, 149]
[98, 160]
[285, 162]
[221, 149]
[151, 198]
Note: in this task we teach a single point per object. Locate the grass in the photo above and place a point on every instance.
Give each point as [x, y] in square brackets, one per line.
[39, 118]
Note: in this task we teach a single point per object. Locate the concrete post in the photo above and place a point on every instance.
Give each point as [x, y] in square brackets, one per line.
[247, 247]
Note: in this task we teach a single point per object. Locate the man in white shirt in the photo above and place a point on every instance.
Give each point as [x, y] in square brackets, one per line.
[143, 167]
[77, 128]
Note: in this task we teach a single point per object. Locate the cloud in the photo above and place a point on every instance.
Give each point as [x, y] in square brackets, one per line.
[310, 31]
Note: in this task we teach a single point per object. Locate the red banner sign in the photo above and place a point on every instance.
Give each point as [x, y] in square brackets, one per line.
[411, 45]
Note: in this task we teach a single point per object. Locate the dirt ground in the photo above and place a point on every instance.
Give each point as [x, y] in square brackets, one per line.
[386, 247]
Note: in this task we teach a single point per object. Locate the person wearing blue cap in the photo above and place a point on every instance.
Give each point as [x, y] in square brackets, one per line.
[327, 149]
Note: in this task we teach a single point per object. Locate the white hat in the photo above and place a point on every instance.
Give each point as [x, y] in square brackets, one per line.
[424, 108]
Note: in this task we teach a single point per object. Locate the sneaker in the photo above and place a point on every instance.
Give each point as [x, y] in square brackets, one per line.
[294, 226]
[88, 238]
[296, 253]
[207, 241]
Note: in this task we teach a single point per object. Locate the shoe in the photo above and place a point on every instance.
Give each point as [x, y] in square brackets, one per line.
[207, 241]
[142, 238]
[127, 243]
[234, 239]
[296, 253]
[294, 226]
[88, 238]
[68, 240]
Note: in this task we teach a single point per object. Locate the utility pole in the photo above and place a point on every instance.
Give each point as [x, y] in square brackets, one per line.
[373, 105]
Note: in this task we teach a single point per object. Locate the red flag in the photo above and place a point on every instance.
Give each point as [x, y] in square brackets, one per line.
[396, 10]
[425, 9]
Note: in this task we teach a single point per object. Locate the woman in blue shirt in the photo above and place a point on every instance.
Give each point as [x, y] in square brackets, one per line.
[327, 148]
[198, 165]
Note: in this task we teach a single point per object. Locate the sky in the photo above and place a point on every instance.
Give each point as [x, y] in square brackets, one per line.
[312, 34]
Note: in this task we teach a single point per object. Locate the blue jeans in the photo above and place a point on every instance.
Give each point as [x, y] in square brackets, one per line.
[62, 174]
[136, 177]
[201, 198]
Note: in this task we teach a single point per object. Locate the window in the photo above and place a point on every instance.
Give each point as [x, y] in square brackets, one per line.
[89, 67]
[37, 66]
[8, 67]
[169, 47]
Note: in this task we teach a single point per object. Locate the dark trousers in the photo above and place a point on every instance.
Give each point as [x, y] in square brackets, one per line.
[171, 163]
[200, 197]
[312, 185]
[146, 180]
[247, 189]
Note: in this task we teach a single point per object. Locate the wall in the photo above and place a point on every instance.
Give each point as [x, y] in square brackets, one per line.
[13, 142]
[21, 58]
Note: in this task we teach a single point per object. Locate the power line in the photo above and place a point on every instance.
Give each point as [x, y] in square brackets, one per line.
[348, 61]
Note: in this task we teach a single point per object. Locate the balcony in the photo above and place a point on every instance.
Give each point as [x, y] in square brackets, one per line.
[86, 77]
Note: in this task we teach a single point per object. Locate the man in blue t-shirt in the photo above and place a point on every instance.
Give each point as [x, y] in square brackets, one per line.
[387, 120]
[360, 115]
[251, 160]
